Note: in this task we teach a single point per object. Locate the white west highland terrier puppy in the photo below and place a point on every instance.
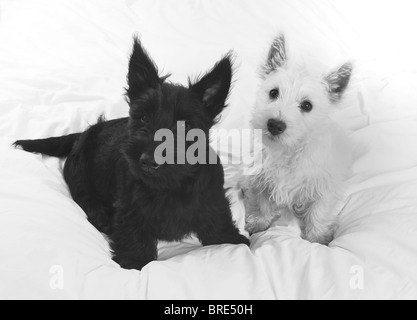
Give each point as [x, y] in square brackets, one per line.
[306, 156]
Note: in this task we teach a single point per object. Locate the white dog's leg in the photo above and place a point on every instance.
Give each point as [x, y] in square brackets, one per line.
[319, 221]
[260, 210]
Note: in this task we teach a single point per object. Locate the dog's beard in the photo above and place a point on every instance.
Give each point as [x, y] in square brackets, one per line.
[293, 138]
[284, 141]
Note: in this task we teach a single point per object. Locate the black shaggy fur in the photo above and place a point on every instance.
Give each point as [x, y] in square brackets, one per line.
[124, 197]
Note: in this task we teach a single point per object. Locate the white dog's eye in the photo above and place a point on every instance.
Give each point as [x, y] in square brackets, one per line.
[274, 94]
[306, 106]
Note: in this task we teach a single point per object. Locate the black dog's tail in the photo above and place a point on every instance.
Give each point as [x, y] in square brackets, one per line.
[59, 147]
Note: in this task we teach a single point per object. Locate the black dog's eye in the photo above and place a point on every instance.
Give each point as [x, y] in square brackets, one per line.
[306, 106]
[144, 119]
[274, 94]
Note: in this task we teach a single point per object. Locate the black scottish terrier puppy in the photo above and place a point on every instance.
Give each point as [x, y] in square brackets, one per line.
[112, 173]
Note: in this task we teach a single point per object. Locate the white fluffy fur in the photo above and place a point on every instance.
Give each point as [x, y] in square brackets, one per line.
[304, 168]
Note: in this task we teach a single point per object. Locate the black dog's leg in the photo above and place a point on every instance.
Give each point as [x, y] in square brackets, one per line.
[219, 229]
[133, 246]
[98, 215]
[76, 173]
[225, 235]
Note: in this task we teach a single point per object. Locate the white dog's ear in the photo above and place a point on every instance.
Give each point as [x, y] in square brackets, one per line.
[337, 81]
[277, 56]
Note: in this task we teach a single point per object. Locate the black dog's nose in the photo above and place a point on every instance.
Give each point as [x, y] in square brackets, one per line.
[276, 127]
[148, 162]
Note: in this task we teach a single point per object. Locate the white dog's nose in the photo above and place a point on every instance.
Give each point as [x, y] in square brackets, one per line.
[276, 127]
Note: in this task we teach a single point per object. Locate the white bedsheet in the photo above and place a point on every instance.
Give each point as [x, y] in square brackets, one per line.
[64, 62]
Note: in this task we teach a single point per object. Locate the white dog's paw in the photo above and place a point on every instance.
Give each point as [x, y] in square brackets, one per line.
[322, 234]
[257, 226]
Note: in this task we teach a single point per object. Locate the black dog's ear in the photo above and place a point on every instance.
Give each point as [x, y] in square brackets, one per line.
[143, 73]
[213, 87]
[337, 81]
[277, 56]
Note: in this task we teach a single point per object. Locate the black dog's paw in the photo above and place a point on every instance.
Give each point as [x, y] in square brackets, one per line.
[244, 240]
[130, 263]
[226, 238]
[129, 252]
[239, 239]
